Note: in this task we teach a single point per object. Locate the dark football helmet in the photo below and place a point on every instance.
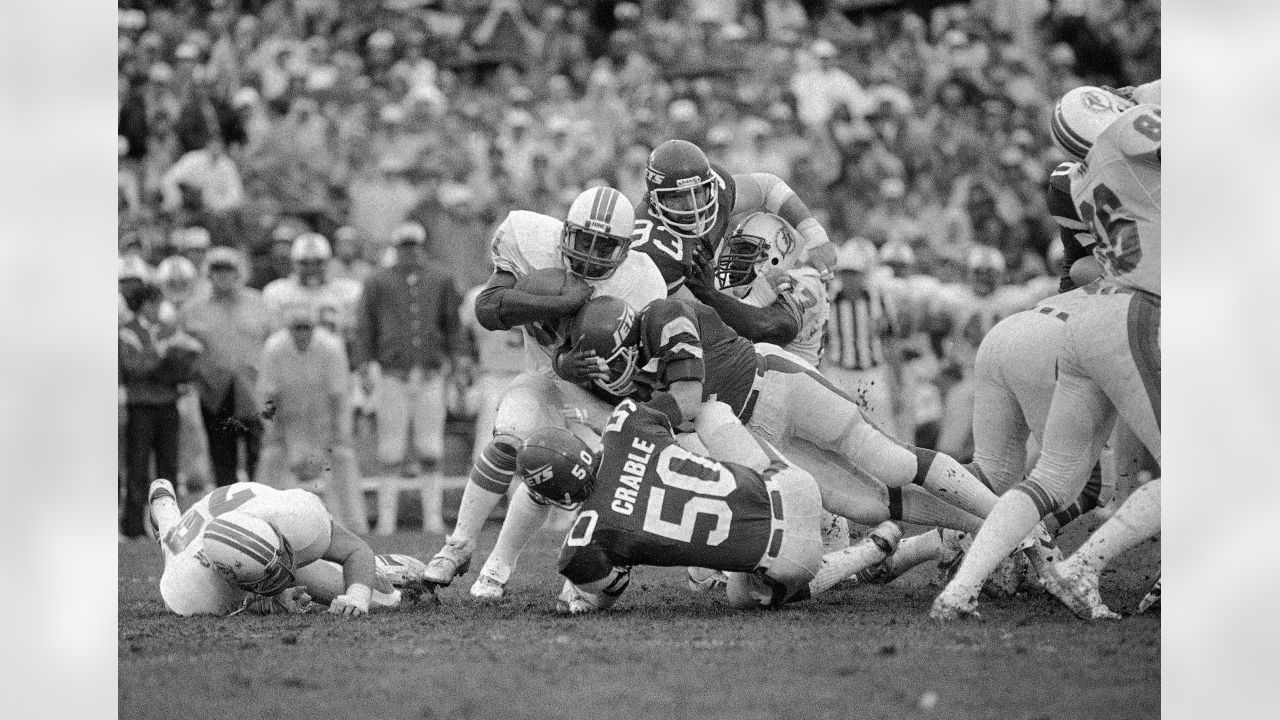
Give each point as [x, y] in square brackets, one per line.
[597, 233]
[557, 468]
[607, 326]
[683, 191]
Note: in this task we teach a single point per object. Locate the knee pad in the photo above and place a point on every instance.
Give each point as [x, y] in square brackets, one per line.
[527, 406]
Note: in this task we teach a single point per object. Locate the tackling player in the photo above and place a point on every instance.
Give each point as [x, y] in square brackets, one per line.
[248, 546]
[1109, 367]
[687, 207]
[592, 244]
[645, 500]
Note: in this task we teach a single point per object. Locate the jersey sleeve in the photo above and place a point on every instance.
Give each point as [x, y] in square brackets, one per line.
[505, 249]
[1137, 134]
[669, 335]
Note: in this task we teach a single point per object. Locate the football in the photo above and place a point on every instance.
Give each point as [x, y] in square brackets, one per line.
[547, 281]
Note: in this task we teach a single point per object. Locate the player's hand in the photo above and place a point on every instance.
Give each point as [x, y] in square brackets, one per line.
[348, 606]
[823, 259]
[779, 280]
[575, 296]
[579, 365]
[570, 602]
[295, 599]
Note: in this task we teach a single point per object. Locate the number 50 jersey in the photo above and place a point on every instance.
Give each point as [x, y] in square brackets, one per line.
[1118, 195]
[656, 503]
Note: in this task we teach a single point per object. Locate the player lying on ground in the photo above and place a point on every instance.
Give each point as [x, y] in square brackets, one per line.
[645, 500]
[252, 547]
[1109, 367]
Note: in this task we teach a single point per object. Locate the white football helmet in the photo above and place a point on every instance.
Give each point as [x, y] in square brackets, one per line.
[1081, 116]
[760, 242]
[249, 553]
[177, 278]
[597, 233]
[310, 254]
[132, 267]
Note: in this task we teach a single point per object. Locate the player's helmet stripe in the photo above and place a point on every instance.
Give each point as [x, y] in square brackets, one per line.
[234, 543]
[1068, 138]
[242, 538]
[602, 205]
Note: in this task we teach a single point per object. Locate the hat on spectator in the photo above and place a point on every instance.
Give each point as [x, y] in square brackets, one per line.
[381, 39]
[192, 238]
[519, 94]
[187, 51]
[682, 110]
[284, 232]
[518, 117]
[733, 32]
[310, 246]
[391, 114]
[131, 19]
[132, 267]
[779, 111]
[453, 195]
[719, 135]
[244, 97]
[409, 233]
[223, 257]
[823, 48]
[1010, 156]
[160, 73]
[893, 187]
[955, 38]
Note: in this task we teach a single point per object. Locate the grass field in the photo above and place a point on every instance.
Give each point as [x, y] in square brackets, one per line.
[664, 652]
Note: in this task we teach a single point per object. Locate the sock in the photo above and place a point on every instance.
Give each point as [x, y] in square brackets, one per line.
[490, 477]
[164, 509]
[1136, 520]
[524, 518]
[388, 505]
[921, 508]
[1013, 517]
[915, 550]
[432, 493]
[837, 566]
[941, 475]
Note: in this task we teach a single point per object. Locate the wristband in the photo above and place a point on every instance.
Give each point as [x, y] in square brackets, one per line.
[813, 232]
[361, 594]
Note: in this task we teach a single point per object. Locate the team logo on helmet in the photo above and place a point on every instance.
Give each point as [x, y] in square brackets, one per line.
[654, 176]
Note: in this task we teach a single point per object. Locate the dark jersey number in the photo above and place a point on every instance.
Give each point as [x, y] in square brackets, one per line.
[1118, 245]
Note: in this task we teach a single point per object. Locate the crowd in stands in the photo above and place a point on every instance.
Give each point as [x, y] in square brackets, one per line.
[258, 119]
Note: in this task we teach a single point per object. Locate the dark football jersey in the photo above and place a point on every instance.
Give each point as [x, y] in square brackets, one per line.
[656, 503]
[1077, 239]
[673, 254]
[684, 340]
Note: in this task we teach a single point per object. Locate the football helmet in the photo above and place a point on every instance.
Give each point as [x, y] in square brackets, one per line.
[1081, 116]
[760, 242]
[985, 267]
[177, 278]
[607, 325]
[557, 468]
[132, 267]
[249, 553]
[597, 233]
[310, 254]
[898, 256]
[682, 189]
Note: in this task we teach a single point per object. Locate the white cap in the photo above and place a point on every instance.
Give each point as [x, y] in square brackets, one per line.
[310, 246]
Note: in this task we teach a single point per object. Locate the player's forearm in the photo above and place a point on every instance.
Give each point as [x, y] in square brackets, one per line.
[688, 395]
[499, 308]
[772, 324]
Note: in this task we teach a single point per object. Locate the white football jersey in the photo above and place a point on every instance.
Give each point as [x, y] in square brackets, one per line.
[335, 299]
[499, 351]
[528, 241]
[808, 296]
[298, 515]
[1118, 196]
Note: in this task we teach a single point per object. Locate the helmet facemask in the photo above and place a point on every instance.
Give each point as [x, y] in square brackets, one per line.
[688, 211]
[736, 264]
[592, 254]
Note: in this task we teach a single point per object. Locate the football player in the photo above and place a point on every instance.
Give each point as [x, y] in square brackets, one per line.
[592, 243]
[687, 206]
[248, 546]
[332, 299]
[685, 349]
[498, 358]
[646, 500]
[1109, 367]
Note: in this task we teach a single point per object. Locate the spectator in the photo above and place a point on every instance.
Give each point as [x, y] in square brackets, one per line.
[406, 336]
[304, 390]
[155, 359]
[203, 180]
[232, 323]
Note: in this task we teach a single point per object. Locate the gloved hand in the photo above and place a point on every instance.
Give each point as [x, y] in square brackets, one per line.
[579, 365]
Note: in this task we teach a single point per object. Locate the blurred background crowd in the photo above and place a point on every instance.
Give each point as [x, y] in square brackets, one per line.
[244, 124]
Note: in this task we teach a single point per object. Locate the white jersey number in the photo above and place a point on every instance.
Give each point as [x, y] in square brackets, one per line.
[707, 479]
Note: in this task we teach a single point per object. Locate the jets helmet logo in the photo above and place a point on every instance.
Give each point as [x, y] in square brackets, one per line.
[654, 176]
[624, 326]
[537, 476]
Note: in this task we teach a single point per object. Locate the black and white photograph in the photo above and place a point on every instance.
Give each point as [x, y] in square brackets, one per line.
[648, 359]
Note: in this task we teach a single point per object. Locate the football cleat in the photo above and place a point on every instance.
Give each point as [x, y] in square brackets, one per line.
[1077, 588]
[163, 502]
[954, 605]
[1152, 598]
[1005, 580]
[955, 544]
[491, 586]
[453, 560]
[706, 580]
